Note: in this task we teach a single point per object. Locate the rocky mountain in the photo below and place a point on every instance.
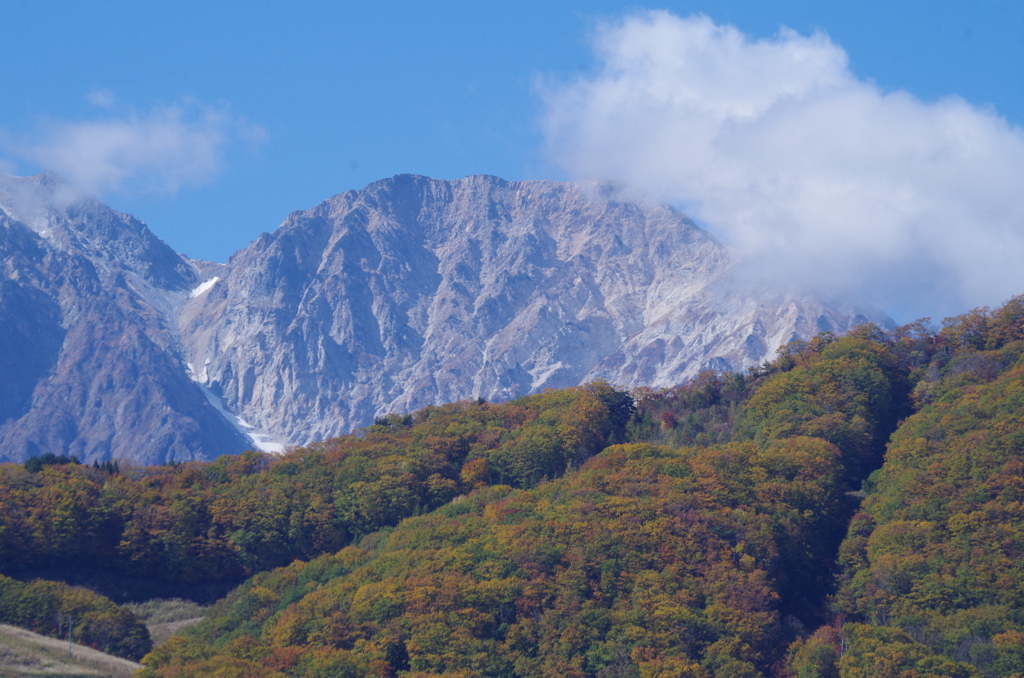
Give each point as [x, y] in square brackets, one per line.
[89, 361]
[409, 292]
[415, 291]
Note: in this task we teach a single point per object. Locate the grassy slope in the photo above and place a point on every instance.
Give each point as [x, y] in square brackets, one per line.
[23, 653]
[164, 617]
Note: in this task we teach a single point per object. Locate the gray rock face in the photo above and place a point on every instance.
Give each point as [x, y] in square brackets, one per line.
[89, 361]
[416, 291]
[410, 292]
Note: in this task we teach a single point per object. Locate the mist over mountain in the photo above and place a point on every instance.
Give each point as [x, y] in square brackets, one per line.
[412, 291]
[818, 176]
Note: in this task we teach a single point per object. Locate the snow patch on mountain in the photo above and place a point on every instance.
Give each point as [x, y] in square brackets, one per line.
[203, 287]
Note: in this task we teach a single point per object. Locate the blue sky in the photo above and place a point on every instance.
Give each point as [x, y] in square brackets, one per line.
[297, 102]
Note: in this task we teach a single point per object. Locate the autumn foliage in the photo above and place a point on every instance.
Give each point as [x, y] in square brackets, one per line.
[936, 552]
[647, 560]
[852, 509]
[238, 515]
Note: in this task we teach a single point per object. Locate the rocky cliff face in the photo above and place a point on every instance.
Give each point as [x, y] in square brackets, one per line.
[410, 292]
[416, 291]
[89, 362]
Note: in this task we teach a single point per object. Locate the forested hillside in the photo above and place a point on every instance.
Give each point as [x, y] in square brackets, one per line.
[238, 515]
[648, 560]
[933, 572]
[852, 508]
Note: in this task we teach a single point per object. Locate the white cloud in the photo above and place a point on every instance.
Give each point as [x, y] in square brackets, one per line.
[101, 98]
[160, 151]
[818, 178]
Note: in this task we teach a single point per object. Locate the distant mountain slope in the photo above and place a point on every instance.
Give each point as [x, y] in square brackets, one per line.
[409, 292]
[416, 291]
[88, 359]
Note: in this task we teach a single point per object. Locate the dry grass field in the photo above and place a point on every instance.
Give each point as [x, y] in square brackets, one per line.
[23, 653]
[165, 617]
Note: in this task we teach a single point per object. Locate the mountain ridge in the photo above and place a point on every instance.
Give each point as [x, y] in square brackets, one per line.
[409, 292]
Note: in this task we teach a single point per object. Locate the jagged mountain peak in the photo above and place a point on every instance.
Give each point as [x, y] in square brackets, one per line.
[74, 221]
[408, 292]
[32, 200]
[89, 355]
[415, 291]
